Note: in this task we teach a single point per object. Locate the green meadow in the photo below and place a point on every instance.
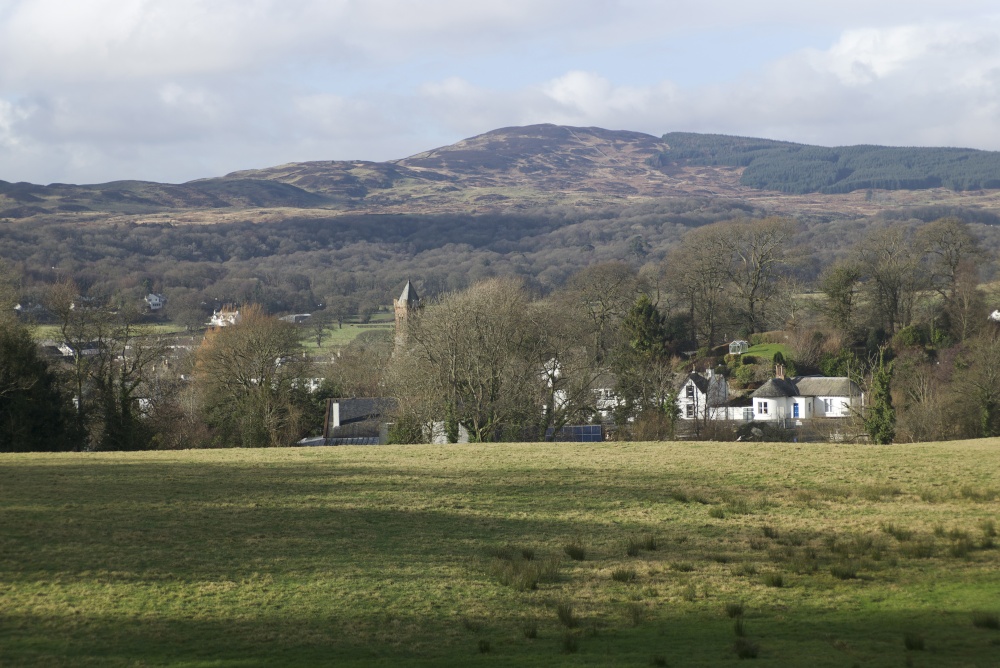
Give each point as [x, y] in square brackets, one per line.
[649, 554]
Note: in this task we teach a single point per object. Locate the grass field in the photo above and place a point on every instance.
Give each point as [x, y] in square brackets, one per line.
[820, 555]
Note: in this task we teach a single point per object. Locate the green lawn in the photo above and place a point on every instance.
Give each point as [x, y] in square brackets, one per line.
[768, 350]
[42, 332]
[388, 555]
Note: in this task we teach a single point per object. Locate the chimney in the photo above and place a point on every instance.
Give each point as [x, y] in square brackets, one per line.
[779, 371]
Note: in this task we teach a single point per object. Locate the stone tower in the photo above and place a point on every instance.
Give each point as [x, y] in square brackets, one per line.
[407, 303]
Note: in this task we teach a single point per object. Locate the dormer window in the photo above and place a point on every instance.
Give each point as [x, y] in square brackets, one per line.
[690, 391]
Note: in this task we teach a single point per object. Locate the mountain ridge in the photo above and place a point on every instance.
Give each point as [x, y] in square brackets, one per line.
[528, 167]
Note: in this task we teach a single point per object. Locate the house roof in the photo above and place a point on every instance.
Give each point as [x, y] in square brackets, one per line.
[807, 386]
[699, 381]
[821, 386]
[357, 410]
[409, 295]
[774, 388]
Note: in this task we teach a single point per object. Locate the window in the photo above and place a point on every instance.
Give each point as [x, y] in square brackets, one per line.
[828, 405]
[762, 408]
[690, 391]
[689, 410]
[748, 414]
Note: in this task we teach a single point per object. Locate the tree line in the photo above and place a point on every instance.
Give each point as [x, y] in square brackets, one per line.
[904, 307]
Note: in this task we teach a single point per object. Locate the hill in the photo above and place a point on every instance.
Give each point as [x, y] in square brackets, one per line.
[826, 555]
[800, 168]
[521, 169]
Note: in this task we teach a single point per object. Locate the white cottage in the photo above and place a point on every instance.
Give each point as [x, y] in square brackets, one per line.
[805, 397]
[703, 397]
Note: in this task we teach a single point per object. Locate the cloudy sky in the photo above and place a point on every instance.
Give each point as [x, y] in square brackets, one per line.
[172, 90]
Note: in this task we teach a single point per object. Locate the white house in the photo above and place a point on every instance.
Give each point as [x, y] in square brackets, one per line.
[805, 397]
[703, 397]
[225, 317]
[155, 301]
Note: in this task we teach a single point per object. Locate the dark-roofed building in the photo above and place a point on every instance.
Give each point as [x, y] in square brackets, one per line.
[806, 397]
[700, 396]
[357, 421]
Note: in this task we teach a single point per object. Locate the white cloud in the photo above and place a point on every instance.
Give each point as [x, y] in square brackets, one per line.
[179, 89]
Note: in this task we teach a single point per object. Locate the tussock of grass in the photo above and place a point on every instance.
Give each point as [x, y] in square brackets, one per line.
[570, 643]
[901, 534]
[913, 641]
[564, 611]
[774, 580]
[919, 549]
[575, 551]
[739, 626]
[716, 512]
[844, 571]
[745, 570]
[734, 609]
[746, 648]
[623, 575]
[682, 566]
[986, 620]
[522, 574]
[881, 492]
[530, 629]
[484, 646]
[636, 612]
[658, 660]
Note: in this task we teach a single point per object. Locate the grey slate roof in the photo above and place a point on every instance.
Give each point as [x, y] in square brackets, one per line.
[409, 295]
[699, 381]
[776, 387]
[807, 386]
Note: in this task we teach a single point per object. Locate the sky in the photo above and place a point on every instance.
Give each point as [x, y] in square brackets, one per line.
[173, 90]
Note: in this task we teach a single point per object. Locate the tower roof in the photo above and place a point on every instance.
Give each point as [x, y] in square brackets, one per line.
[409, 295]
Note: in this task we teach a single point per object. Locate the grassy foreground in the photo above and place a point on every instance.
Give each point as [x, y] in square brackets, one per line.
[426, 555]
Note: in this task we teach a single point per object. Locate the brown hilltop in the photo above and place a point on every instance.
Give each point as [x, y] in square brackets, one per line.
[509, 169]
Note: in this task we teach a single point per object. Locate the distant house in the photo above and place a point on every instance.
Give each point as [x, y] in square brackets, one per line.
[296, 318]
[358, 421]
[155, 301]
[805, 397]
[703, 397]
[225, 316]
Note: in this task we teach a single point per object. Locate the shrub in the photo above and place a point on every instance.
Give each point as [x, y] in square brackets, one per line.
[567, 618]
[745, 648]
[985, 620]
[623, 575]
[575, 551]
